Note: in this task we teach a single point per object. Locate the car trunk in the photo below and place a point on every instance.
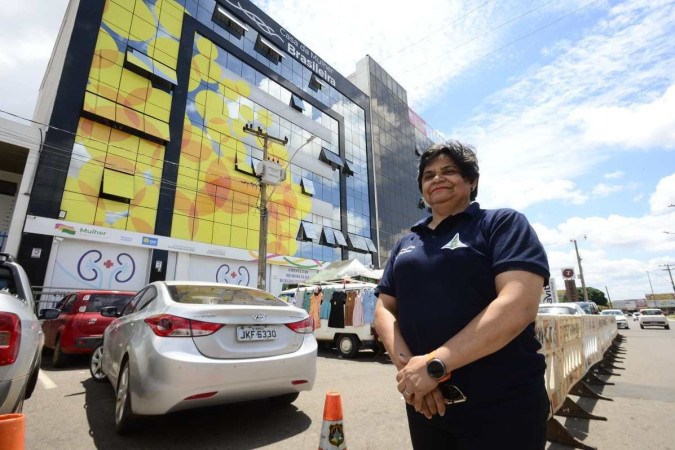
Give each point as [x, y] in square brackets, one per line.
[249, 332]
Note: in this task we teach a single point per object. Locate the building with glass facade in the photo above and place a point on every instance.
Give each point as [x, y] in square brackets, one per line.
[398, 137]
[147, 170]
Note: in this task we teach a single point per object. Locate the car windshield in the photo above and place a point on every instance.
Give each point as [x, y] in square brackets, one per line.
[651, 312]
[222, 295]
[98, 301]
[610, 313]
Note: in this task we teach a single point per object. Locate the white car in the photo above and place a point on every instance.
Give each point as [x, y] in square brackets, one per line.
[182, 345]
[621, 321]
[21, 337]
[561, 308]
[653, 317]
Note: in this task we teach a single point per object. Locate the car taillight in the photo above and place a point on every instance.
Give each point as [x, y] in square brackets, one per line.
[10, 337]
[303, 326]
[167, 325]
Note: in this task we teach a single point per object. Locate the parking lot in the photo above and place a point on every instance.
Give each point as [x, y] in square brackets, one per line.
[69, 410]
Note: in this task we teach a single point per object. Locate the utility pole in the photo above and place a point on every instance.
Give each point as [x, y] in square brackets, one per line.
[609, 299]
[667, 267]
[650, 283]
[263, 181]
[581, 271]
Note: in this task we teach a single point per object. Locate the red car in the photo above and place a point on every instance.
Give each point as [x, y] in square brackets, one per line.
[75, 326]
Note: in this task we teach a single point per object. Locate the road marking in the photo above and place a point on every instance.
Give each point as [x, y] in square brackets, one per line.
[47, 382]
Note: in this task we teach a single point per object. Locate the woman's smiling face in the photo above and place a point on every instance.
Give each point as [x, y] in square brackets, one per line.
[444, 187]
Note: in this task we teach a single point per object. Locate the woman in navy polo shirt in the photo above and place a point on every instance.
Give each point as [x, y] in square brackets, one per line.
[456, 310]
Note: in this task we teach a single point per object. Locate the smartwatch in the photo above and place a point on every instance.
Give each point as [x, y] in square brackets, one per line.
[436, 369]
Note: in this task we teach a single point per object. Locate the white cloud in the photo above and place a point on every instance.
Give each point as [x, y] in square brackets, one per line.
[529, 135]
[603, 189]
[615, 250]
[28, 31]
[635, 125]
[662, 200]
[614, 175]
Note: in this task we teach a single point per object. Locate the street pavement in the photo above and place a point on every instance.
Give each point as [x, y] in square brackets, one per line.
[73, 412]
[641, 412]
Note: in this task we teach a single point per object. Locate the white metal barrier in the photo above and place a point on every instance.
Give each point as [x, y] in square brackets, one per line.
[571, 345]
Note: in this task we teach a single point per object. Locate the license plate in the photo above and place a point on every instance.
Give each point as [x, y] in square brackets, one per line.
[256, 333]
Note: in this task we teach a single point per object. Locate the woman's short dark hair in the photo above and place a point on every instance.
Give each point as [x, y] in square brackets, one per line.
[462, 155]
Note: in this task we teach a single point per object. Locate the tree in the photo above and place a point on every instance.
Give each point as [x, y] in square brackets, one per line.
[594, 295]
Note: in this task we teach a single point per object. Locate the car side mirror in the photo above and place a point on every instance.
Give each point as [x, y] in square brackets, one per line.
[109, 311]
[49, 313]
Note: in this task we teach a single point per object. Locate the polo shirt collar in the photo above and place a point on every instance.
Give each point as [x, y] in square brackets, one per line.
[423, 224]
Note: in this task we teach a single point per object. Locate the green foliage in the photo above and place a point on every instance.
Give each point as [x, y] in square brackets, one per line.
[594, 295]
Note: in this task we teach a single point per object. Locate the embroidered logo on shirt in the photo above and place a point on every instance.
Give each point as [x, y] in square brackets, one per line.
[408, 249]
[455, 243]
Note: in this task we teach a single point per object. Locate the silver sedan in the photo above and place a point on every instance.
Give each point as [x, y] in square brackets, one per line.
[181, 345]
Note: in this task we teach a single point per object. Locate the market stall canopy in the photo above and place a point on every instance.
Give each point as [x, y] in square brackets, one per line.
[340, 270]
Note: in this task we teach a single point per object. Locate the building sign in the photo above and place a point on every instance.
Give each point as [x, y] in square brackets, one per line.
[568, 273]
[73, 230]
[549, 294]
[278, 34]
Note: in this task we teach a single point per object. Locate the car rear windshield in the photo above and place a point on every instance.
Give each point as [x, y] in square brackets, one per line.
[557, 310]
[98, 301]
[651, 312]
[222, 295]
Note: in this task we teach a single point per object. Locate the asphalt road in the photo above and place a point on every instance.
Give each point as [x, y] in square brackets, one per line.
[70, 411]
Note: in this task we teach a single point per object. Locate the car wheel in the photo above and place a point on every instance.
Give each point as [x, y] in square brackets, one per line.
[58, 357]
[348, 345]
[283, 400]
[96, 365]
[642, 326]
[667, 327]
[124, 418]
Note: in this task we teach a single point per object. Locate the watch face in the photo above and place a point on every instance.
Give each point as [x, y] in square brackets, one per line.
[436, 369]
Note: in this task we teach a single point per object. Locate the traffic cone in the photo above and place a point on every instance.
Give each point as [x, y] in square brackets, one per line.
[332, 431]
[12, 431]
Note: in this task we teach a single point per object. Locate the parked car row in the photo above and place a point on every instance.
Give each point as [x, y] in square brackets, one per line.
[648, 317]
[236, 343]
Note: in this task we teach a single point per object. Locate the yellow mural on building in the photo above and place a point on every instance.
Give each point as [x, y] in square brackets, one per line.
[215, 202]
[115, 171]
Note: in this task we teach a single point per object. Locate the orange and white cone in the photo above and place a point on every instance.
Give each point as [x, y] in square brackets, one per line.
[332, 431]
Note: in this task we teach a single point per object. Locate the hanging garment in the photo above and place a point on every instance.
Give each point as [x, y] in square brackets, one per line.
[369, 301]
[305, 299]
[314, 307]
[325, 306]
[337, 310]
[349, 307]
[357, 317]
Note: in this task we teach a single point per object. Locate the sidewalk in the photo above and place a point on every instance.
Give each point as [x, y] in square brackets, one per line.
[642, 406]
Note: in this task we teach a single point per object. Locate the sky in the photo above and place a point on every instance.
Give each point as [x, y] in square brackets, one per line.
[570, 105]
